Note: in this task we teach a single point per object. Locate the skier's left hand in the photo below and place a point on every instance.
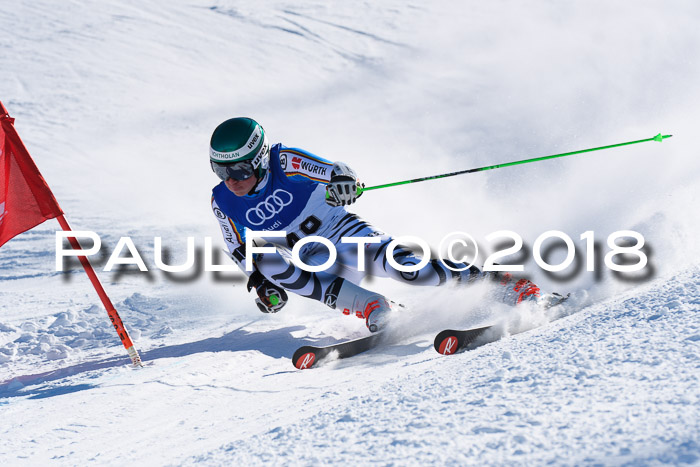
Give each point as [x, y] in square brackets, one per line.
[271, 298]
[344, 188]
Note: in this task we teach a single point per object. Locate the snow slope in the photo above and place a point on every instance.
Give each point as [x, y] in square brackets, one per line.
[116, 103]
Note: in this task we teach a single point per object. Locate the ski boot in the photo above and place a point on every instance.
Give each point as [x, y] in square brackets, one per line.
[549, 300]
[517, 291]
[374, 308]
[377, 314]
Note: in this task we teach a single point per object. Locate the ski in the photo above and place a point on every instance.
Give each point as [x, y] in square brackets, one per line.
[307, 356]
[450, 341]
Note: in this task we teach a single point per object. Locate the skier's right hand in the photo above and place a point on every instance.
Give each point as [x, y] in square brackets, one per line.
[343, 188]
[271, 298]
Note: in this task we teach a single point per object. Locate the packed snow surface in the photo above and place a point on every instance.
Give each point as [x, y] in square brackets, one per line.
[116, 103]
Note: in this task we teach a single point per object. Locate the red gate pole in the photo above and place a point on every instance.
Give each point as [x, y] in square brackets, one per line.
[111, 311]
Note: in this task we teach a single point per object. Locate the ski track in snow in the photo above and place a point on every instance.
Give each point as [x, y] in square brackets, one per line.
[116, 105]
[556, 394]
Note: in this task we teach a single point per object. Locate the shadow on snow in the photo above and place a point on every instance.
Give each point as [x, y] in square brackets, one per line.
[274, 343]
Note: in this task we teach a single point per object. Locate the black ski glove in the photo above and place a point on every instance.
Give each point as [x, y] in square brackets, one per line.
[271, 298]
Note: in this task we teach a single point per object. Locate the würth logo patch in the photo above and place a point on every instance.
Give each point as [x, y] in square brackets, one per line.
[298, 164]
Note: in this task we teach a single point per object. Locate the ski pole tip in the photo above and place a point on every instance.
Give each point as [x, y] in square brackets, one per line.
[661, 137]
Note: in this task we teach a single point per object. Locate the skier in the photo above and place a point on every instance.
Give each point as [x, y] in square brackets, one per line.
[276, 188]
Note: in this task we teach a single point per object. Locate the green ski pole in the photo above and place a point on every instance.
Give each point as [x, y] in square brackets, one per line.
[658, 138]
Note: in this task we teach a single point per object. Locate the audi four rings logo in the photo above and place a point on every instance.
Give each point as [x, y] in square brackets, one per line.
[272, 205]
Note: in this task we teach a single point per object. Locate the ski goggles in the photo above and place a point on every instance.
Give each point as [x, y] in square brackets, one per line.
[237, 171]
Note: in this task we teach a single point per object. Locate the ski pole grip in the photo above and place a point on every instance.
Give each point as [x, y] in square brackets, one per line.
[360, 190]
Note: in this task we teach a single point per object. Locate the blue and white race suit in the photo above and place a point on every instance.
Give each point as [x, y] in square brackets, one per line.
[292, 197]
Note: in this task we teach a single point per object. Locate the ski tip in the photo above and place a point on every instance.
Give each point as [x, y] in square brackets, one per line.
[305, 361]
[448, 345]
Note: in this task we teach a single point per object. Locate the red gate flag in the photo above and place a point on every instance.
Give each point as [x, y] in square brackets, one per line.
[25, 199]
